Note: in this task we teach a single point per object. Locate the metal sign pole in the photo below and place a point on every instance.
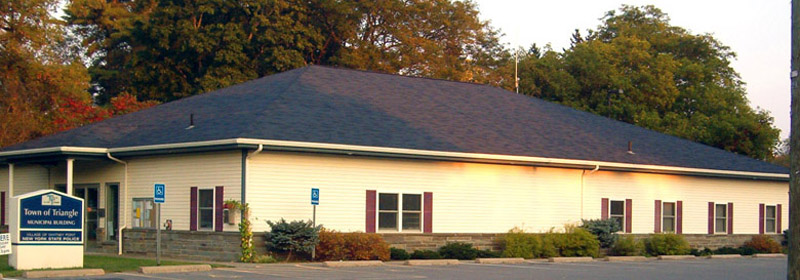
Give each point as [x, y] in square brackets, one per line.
[158, 234]
[314, 224]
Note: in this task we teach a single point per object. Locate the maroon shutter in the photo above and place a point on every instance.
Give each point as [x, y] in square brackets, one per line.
[604, 208]
[778, 228]
[371, 198]
[730, 217]
[218, 207]
[679, 217]
[193, 209]
[711, 218]
[657, 221]
[761, 218]
[628, 216]
[2, 208]
[428, 213]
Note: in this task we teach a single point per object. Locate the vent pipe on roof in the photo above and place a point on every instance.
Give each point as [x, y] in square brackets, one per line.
[191, 121]
[630, 148]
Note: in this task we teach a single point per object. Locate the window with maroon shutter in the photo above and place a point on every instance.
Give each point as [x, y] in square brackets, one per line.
[628, 215]
[371, 199]
[617, 212]
[770, 219]
[657, 220]
[761, 218]
[720, 218]
[218, 207]
[669, 216]
[604, 208]
[778, 219]
[679, 217]
[428, 219]
[730, 217]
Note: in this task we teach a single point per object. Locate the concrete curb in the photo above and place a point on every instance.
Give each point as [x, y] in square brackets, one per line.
[433, 262]
[570, 259]
[63, 273]
[499, 260]
[727, 256]
[677, 257]
[174, 268]
[351, 263]
[625, 258]
[769, 255]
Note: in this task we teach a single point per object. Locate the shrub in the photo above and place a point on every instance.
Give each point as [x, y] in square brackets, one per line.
[700, 253]
[576, 242]
[763, 244]
[398, 254]
[264, 259]
[666, 244]
[334, 245]
[727, 251]
[518, 244]
[458, 250]
[297, 236]
[425, 255]
[604, 230]
[627, 246]
[488, 254]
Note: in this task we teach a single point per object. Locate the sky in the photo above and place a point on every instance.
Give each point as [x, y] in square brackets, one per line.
[757, 31]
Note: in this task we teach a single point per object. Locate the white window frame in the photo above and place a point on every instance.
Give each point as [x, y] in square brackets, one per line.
[624, 211]
[774, 219]
[399, 225]
[213, 212]
[674, 216]
[727, 216]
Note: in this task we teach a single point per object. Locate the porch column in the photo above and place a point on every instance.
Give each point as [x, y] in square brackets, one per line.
[69, 175]
[10, 180]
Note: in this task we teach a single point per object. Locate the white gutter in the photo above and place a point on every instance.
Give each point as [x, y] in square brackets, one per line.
[124, 203]
[421, 153]
[257, 151]
[54, 149]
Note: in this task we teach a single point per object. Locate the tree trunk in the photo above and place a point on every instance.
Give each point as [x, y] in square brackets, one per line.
[793, 266]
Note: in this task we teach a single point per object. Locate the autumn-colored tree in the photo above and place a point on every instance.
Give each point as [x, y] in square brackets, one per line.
[639, 69]
[35, 75]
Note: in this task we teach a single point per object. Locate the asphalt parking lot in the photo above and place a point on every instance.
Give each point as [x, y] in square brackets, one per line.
[745, 268]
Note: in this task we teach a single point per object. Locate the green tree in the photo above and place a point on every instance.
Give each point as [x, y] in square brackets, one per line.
[671, 81]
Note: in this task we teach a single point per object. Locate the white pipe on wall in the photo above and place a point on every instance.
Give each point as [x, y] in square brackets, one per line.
[124, 202]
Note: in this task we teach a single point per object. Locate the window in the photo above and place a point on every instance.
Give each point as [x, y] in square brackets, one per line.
[668, 216]
[205, 208]
[769, 219]
[720, 218]
[617, 212]
[144, 213]
[390, 212]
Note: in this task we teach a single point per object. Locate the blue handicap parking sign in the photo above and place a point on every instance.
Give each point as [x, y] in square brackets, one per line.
[159, 191]
[314, 196]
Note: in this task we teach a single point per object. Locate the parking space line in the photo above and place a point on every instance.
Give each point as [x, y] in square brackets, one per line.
[146, 276]
[263, 273]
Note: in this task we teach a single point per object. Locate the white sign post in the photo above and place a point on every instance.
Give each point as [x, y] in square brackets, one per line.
[46, 230]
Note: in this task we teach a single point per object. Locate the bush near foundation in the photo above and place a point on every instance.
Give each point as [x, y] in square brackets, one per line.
[518, 244]
[605, 231]
[734, 251]
[425, 255]
[763, 244]
[335, 246]
[292, 237]
[576, 242]
[458, 250]
[398, 254]
[666, 244]
[627, 246]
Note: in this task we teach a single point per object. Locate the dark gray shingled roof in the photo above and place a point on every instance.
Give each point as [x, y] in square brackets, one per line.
[341, 106]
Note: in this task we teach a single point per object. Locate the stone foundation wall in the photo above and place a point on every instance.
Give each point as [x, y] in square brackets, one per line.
[196, 245]
[432, 241]
[224, 246]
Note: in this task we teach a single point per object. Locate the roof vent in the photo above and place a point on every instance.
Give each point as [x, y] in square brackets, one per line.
[191, 121]
[630, 148]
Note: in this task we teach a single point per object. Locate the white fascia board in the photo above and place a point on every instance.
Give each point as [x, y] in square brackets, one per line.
[64, 149]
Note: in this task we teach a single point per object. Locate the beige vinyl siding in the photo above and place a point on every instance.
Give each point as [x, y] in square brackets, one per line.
[695, 192]
[467, 197]
[180, 172]
[27, 178]
[489, 198]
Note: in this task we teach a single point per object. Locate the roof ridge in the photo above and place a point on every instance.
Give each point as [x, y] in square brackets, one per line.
[337, 67]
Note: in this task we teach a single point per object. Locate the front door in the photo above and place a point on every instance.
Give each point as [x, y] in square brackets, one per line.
[89, 194]
[112, 215]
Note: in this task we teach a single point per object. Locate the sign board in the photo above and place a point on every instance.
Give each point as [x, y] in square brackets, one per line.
[159, 193]
[314, 196]
[46, 230]
[5, 243]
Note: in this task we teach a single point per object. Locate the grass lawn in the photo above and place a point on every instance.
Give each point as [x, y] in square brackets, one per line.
[107, 263]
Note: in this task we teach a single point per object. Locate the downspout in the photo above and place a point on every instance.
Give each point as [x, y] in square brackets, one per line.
[583, 174]
[257, 151]
[124, 203]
